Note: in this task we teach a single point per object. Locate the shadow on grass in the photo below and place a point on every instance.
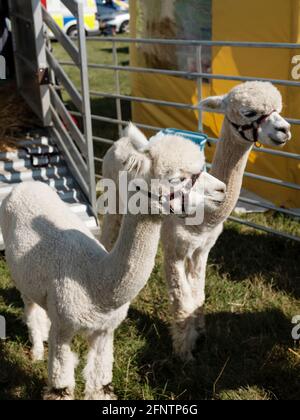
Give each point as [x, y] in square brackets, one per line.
[19, 379]
[125, 63]
[10, 295]
[251, 347]
[120, 50]
[274, 258]
[13, 303]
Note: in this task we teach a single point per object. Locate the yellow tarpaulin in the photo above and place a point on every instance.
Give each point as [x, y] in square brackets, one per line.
[232, 20]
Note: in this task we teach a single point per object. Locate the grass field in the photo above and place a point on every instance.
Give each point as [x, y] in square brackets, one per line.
[253, 291]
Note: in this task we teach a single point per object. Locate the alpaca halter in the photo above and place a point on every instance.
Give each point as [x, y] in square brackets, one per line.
[254, 126]
[163, 199]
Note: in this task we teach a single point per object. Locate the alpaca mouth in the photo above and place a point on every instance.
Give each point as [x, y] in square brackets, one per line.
[279, 142]
[218, 202]
[215, 201]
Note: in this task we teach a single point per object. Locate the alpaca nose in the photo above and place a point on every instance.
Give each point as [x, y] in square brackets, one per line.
[284, 129]
[221, 189]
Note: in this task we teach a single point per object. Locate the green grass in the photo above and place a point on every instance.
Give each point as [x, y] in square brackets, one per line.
[253, 291]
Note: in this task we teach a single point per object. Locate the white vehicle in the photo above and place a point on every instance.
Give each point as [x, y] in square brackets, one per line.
[67, 22]
[120, 22]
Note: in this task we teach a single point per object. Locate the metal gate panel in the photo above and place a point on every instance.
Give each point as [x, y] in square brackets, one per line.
[30, 56]
[76, 143]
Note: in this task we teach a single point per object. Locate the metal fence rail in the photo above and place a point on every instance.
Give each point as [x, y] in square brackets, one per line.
[197, 43]
[190, 75]
[198, 76]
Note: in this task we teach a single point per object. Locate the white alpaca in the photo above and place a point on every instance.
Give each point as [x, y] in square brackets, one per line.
[65, 275]
[252, 113]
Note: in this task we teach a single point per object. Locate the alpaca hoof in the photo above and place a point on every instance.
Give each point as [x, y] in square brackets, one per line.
[188, 339]
[183, 352]
[105, 393]
[186, 356]
[52, 394]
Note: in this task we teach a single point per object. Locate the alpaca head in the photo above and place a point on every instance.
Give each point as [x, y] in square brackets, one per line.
[176, 165]
[252, 110]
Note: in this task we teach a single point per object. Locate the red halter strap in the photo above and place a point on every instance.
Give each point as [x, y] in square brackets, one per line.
[254, 126]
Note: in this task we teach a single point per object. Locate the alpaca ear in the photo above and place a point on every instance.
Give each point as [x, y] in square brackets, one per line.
[137, 138]
[138, 161]
[214, 103]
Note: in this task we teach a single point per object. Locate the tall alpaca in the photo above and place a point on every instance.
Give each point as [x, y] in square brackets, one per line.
[65, 275]
[252, 113]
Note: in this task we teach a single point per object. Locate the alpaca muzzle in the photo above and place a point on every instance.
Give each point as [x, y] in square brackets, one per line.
[165, 200]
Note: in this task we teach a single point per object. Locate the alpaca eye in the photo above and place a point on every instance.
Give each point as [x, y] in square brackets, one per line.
[250, 114]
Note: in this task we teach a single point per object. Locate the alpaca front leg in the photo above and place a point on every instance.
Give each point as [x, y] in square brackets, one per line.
[61, 366]
[197, 280]
[189, 323]
[184, 334]
[99, 367]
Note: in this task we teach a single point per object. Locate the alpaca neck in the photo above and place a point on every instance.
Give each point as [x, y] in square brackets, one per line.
[128, 267]
[228, 166]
